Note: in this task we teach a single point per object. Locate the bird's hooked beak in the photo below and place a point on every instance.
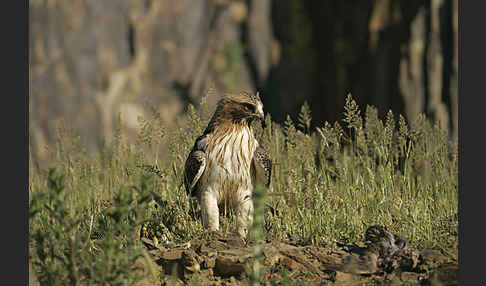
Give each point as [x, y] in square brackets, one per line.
[260, 114]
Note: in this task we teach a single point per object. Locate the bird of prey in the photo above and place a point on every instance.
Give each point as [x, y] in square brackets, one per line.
[226, 161]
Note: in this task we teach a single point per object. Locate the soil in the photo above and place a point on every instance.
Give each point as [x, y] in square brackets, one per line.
[216, 259]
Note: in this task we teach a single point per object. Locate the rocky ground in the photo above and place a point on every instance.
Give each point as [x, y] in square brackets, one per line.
[216, 259]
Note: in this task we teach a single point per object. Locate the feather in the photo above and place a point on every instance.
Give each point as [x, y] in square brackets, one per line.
[262, 165]
[225, 161]
[195, 165]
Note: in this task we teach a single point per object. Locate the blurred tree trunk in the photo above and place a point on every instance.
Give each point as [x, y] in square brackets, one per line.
[454, 77]
[260, 39]
[380, 45]
[428, 66]
[294, 79]
[91, 60]
[436, 107]
[411, 69]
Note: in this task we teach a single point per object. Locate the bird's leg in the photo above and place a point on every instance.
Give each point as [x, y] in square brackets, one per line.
[209, 209]
[245, 212]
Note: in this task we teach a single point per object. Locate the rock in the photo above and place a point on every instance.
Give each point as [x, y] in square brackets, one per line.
[445, 275]
[172, 254]
[410, 277]
[230, 266]
[271, 254]
[189, 261]
[205, 250]
[217, 245]
[290, 264]
[208, 262]
[150, 244]
[182, 263]
[234, 241]
[356, 264]
[393, 279]
[233, 262]
[219, 260]
[431, 258]
[343, 278]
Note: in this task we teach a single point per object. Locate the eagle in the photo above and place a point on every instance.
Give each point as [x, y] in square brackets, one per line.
[227, 162]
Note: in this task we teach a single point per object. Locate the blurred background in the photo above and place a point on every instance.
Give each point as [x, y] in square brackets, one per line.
[92, 60]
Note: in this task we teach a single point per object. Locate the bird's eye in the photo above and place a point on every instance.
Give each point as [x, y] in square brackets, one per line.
[248, 107]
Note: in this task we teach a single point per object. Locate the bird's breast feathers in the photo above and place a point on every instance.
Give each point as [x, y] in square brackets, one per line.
[229, 154]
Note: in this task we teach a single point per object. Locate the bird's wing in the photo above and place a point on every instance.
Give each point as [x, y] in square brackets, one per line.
[195, 165]
[262, 166]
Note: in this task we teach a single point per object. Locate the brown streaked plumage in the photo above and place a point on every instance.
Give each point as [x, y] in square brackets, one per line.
[262, 167]
[226, 161]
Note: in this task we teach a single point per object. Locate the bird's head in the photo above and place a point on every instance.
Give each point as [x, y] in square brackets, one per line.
[241, 107]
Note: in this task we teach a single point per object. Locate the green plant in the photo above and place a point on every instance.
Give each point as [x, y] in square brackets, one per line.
[62, 248]
[256, 233]
[328, 184]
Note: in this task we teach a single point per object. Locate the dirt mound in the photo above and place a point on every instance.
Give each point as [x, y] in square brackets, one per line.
[383, 258]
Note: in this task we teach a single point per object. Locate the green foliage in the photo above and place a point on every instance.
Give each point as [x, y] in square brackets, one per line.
[352, 114]
[328, 184]
[305, 118]
[62, 247]
[256, 233]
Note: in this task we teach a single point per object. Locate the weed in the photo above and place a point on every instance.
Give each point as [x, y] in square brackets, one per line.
[328, 184]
